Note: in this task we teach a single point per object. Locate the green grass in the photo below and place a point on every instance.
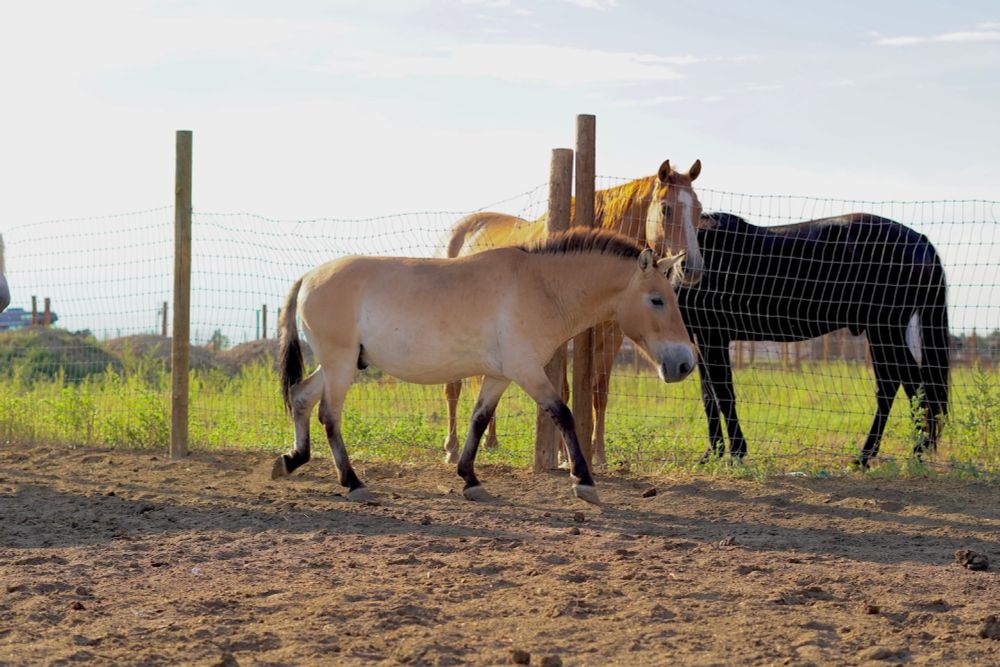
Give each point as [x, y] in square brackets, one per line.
[811, 421]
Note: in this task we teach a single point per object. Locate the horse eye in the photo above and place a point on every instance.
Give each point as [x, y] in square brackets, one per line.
[656, 302]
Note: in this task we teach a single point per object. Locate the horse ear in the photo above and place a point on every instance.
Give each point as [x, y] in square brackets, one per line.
[664, 172]
[646, 260]
[695, 169]
[666, 264]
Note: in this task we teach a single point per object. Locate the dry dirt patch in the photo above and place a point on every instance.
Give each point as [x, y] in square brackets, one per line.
[118, 557]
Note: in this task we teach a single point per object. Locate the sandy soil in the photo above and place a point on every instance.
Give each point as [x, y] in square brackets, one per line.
[112, 557]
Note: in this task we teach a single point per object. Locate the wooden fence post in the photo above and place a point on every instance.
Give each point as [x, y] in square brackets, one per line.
[974, 343]
[163, 321]
[180, 346]
[34, 310]
[47, 313]
[583, 344]
[560, 184]
[263, 321]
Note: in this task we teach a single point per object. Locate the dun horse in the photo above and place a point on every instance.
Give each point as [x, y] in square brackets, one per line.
[518, 305]
[799, 281]
[659, 211]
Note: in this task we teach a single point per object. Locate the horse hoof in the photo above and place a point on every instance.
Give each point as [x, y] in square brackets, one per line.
[477, 494]
[585, 492]
[860, 463]
[451, 458]
[491, 443]
[362, 495]
[280, 468]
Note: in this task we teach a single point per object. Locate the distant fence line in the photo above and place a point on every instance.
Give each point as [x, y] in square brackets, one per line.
[241, 265]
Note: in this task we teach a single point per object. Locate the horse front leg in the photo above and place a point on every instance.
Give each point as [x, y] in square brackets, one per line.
[305, 395]
[482, 413]
[537, 385]
[716, 444]
[720, 373]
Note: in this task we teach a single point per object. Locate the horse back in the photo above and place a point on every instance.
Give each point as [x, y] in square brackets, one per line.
[801, 280]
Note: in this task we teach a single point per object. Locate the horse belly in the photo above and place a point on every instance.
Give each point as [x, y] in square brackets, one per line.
[420, 354]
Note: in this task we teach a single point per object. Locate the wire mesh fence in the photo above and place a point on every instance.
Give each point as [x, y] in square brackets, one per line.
[99, 373]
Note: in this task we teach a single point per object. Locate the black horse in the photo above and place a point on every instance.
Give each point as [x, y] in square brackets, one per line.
[799, 281]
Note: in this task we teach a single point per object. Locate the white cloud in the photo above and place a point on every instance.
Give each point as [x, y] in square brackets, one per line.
[650, 102]
[984, 32]
[521, 63]
[594, 4]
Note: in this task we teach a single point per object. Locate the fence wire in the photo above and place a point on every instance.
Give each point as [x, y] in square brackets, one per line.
[100, 373]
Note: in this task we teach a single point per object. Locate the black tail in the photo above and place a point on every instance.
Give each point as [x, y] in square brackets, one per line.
[290, 362]
[935, 369]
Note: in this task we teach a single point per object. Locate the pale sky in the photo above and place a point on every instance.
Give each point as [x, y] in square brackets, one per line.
[349, 109]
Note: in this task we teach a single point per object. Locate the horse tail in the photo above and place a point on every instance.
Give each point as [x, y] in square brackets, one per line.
[290, 362]
[936, 342]
[470, 224]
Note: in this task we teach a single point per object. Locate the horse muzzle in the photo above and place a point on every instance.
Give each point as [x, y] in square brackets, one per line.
[676, 362]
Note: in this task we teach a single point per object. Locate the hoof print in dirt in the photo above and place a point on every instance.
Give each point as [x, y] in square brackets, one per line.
[362, 495]
[971, 560]
[520, 657]
[477, 494]
[551, 661]
[649, 493]
[991, 628]
[587, 493]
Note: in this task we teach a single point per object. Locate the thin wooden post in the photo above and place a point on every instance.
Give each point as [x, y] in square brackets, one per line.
[34, 310]
[180, 347]
[739, 353]
[163, 320]
[560, 184]
[47, 315]
[753, 352]
[583, 344]
[826, 348]
[784, 356]
[974, 342]
[263, 321]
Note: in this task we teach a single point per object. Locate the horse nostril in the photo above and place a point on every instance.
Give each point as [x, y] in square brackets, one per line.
[685, 368]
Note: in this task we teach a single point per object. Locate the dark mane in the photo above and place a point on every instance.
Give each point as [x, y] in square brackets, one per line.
[596, 241]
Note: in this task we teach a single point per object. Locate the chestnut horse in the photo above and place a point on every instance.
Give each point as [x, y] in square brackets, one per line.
[518, 305]
[660, 211]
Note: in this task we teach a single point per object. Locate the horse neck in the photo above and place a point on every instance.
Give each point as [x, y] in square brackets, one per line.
[583, 287]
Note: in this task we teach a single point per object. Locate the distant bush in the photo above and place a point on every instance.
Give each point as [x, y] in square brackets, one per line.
[44, 354]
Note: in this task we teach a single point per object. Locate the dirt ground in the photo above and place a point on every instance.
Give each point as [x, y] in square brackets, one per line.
[115, 557]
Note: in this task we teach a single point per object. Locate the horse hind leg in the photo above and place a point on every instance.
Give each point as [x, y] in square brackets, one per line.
[338, 381]
[305, 395]
[886, 361]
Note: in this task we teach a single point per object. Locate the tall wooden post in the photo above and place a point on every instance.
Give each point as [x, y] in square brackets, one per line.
[974, 343]
[739, 353]
[263, 321]
[163, 320]
[583, 344]
[560, 185]
[34, 310]
[826, 348]
[180, 347]
[47, 313]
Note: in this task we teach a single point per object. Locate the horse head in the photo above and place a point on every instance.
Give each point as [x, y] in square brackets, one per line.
[671, 220]
[648, 313]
